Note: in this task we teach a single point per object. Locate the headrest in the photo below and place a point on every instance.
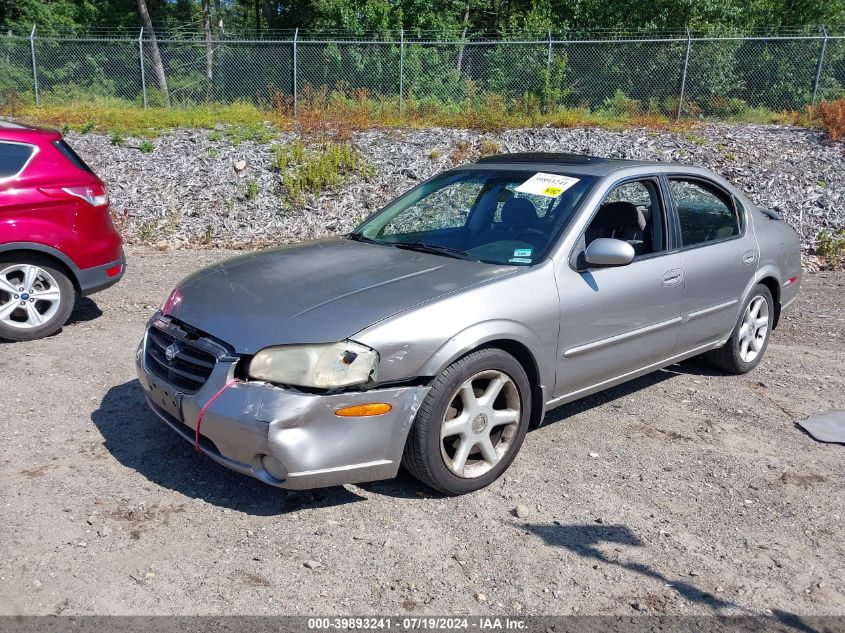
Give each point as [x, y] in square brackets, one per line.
[519, 212]
[621, 214]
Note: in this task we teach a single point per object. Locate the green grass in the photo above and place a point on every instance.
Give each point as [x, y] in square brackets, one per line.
[129, 120]
[251, 192]
[315, 169]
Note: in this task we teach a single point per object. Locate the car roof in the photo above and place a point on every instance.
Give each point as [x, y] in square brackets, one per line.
[576, 163]
[13, 131]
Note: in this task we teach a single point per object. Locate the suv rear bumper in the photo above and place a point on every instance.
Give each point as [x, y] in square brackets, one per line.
[98, 278]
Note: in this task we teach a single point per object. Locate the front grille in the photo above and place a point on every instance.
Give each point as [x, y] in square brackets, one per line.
[189, 367]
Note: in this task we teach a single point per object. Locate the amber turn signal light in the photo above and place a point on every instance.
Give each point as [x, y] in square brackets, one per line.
[361, 410]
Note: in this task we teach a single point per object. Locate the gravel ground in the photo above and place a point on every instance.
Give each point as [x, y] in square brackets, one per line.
[683, 492]
[187, 190]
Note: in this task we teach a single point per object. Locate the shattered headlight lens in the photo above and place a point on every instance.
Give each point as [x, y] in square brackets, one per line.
[320, 366]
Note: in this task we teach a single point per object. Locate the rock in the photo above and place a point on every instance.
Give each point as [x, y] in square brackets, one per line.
[522, 511]
[240, 165]
[638, 606]
[694, 572]
[481, 597]
[105, 531]
[312, 564]
[595, 455]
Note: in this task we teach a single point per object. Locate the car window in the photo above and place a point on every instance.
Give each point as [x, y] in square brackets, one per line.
[705, 212]
[13, 158]
[542, 204]
[447, 208]
[631, 212]
[495, 216]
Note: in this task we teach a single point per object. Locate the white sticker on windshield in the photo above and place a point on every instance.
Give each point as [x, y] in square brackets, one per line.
[549, 185]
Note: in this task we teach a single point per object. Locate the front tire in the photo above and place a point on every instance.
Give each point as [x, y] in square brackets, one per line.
[36, 297]
[471, 424]
[750, 338]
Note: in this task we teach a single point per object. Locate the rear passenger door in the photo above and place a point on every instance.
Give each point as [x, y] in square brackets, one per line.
[719, 258]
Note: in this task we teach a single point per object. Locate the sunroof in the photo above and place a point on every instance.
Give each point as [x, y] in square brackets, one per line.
[543, 157]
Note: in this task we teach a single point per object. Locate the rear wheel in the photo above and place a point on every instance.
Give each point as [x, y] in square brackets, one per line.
[744, 349]
[36, 297]
[471, 424]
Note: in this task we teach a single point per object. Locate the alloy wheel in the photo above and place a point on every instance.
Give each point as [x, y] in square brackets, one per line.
[29, 296]
[754, 329]
[480, 424]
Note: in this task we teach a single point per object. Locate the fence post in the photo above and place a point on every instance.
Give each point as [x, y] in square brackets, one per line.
[141, 59]
[34, 70]
[549, 56]
[295, 38]
[684, 77]
[401, 68]
[820, 65]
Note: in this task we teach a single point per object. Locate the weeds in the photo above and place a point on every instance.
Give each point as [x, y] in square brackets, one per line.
[434, 154]
[461, 153]
[251, 189]
[489, 147]
[314, 170]
[831, 116]
[149, 231]
[212, 152]
[146, 147]
[831, 249]
[256, 132]
[117, 138]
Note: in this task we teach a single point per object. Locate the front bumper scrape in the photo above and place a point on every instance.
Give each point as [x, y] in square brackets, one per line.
[315, 448]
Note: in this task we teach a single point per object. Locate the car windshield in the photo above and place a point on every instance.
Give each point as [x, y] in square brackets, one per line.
[494, 216]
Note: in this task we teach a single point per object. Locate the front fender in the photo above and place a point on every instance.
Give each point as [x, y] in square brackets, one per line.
[480, 334]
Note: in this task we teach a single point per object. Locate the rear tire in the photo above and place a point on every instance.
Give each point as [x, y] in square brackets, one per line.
[36, 297]
[471, 424]
[750, 337]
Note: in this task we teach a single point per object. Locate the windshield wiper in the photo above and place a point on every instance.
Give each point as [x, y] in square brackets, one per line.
[433, 248]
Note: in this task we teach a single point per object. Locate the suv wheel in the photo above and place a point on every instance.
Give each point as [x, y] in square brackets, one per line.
[471, 424]
[36, 298]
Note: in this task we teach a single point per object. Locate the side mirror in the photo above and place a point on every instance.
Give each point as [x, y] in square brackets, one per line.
[605, 251]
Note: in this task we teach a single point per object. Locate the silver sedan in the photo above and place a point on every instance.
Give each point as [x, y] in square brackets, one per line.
[449, 322]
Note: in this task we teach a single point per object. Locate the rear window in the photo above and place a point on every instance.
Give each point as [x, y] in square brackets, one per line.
[13, 158]
[72, 156]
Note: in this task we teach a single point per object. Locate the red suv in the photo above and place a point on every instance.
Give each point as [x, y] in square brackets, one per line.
[57, 240]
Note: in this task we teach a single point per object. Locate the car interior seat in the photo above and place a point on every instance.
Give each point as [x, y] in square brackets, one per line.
[621, 220]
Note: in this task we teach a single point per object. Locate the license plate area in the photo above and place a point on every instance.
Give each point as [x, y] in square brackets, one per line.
[166, 398]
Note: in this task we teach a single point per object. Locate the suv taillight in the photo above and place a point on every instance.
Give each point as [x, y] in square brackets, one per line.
[95, 195]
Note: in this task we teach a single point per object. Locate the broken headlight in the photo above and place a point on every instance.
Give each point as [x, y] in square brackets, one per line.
[322, 366]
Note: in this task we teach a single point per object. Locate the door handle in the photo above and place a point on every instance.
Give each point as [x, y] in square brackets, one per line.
[672, 277]
[749, 257]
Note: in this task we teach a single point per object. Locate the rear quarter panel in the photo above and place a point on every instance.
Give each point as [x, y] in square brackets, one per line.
[780, 255]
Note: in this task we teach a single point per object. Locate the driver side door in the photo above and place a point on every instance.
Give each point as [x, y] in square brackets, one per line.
[617, 320]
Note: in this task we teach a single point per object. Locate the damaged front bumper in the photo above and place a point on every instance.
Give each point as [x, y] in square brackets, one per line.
[284, 437]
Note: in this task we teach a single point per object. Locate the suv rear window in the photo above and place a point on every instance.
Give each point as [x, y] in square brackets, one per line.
[13, 158]
[72, 156]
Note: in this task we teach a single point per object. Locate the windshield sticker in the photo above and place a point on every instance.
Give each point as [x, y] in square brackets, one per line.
[520, 260]
[522, 252]
[549, 185]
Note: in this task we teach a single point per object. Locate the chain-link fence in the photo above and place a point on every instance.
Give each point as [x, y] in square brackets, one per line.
[681, 75]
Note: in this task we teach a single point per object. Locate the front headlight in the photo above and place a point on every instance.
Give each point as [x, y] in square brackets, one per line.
[322, 366]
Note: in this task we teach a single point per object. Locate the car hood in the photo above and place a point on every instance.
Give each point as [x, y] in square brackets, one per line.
[318, 292]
